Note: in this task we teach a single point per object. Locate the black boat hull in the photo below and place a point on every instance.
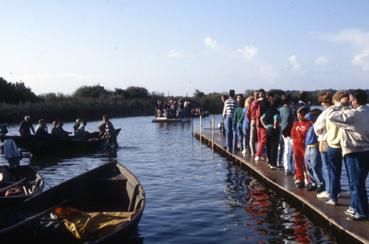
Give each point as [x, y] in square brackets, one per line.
[110, 187]
[51, 145]
[33, 181]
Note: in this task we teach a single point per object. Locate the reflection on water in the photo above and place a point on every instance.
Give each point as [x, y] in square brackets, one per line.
[268, 217]
[193, 194]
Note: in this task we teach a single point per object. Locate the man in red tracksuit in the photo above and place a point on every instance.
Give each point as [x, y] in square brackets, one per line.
[298, 134]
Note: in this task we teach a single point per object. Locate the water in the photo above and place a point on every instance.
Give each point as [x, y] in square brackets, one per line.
[192, 194]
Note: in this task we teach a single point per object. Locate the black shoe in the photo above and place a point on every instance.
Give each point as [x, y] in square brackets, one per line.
[320, 188]
[300, 184]
[311, 188]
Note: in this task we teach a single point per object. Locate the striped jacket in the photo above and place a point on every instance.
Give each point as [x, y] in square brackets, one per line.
[230, 106]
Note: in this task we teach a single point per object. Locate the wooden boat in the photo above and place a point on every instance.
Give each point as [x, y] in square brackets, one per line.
[110, 187]
[52, 145]
[170, 120]
[18, 183]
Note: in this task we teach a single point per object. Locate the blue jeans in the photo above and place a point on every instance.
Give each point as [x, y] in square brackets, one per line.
[313, 163]
[334, 171]
[238, 136]
[325, 169]
[357, 170]
[228, 122]
[246, 136]
[280, 150]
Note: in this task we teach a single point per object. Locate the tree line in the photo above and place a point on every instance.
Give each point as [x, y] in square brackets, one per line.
[91, 102]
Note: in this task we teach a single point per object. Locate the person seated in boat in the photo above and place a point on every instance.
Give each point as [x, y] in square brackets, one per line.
[26, 127]
[187, 109]
[174, 108]
[3, 130]
[106, 128]
[180, 110]
[58, 130]
[11, 152]
[158, 109]
[76, 125]
[41, 129]
[81, 131]
[54, 129]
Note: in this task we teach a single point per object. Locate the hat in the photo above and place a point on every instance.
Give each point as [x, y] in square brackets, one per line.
[311, 117]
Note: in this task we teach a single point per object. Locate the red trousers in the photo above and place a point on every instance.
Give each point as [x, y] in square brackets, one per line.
[299, 156]
[261, 131]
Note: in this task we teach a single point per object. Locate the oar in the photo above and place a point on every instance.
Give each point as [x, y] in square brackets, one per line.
[31, 218]
[12, 185]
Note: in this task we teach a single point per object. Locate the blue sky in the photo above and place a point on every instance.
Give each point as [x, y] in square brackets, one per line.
[179, 46]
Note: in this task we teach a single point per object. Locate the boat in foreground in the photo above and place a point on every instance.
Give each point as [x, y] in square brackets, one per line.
[52, 145]
[101, 205]
[18, 183]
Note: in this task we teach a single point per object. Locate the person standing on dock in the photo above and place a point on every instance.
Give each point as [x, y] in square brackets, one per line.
[271, 122]
[334, 152]
[320, 128]
[230, 106]
[246, 126]
[355, 149]
[298, 134]
[238, 120]
[286, 124]
[313, 160]
[262, 106]
[251, 114]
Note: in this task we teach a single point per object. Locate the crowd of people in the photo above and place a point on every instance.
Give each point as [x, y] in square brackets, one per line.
[173, 109]
[177, 109]
[79, 128]
[311, 144]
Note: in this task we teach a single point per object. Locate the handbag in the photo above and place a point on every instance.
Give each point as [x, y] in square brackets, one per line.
[323, 146]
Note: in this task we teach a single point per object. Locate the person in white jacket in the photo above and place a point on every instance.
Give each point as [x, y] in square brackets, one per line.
[355, 149]
[320, 129]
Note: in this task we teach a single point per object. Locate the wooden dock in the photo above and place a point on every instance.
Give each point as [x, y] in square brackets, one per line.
[331, 217]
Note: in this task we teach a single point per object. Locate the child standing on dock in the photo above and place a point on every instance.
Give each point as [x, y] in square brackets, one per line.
[313, 161]
[298, 134]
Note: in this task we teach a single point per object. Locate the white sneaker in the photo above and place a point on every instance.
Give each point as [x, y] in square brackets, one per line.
[331, 202]
[259, 158]
[350, 211]
[323, 194]
[244, 152]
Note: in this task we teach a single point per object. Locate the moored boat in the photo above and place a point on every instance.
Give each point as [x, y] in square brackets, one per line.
[52, 145]
[110, 194]
[18, 183]
[170, 120]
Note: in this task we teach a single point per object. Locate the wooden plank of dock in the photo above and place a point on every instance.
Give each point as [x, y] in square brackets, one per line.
[333, 216]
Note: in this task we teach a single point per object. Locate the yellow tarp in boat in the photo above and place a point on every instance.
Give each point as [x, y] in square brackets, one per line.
[90, 225]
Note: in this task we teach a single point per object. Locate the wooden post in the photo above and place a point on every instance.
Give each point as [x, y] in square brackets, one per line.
[212, 132]
[192, 126]
[200, 129]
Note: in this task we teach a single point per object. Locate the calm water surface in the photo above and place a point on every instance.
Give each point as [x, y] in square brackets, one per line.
[193, 195]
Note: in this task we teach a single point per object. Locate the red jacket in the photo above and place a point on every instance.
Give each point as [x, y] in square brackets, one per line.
[298, 131]
[251, 112]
